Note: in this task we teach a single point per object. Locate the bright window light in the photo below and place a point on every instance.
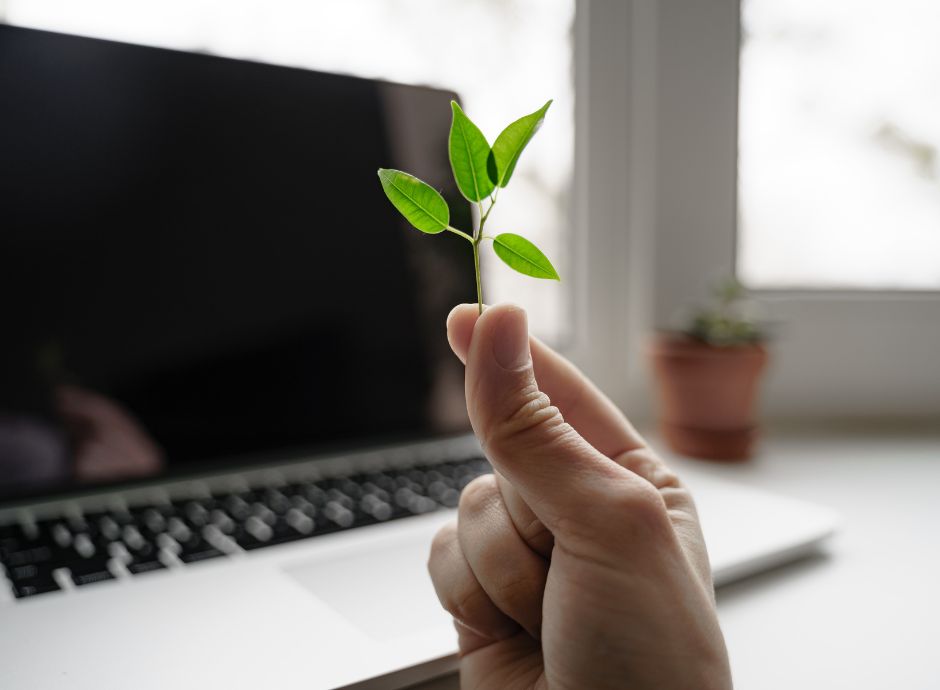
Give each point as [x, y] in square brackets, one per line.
[839, 136]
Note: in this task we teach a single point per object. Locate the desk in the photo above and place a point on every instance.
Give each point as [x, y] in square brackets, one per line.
[865, 613]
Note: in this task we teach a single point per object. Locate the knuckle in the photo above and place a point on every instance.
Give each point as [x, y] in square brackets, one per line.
[532, 409]
[468, 602]
[443, 539]
[477, 495]
[459, 593]
[442, 546]
[678, 496]
[534, 531]
[530, 421]
[642, 505]
[518, 591]
[645, 463]
[581, 528]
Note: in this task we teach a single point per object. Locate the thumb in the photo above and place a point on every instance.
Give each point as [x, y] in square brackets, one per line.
[525, 437]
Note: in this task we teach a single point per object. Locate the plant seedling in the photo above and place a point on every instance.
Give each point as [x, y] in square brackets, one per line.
[480, 172]
[731, 320]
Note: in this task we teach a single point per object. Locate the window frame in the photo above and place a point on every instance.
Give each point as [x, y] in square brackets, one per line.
[666, 74]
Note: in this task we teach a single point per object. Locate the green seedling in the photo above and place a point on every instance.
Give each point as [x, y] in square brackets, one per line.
[480, 171]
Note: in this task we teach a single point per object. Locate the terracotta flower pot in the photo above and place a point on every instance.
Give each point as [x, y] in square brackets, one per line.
[708, 396]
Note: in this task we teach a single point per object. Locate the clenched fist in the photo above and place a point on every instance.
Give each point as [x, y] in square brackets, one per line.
[580, 563]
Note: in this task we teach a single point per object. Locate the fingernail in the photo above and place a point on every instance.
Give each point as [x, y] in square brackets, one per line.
[511, 339]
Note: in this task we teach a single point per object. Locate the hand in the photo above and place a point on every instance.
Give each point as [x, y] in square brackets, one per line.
[108, 442]
[580, 563]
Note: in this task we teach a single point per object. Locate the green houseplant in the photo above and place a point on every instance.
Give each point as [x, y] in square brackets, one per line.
[480, 171]
[708, 375]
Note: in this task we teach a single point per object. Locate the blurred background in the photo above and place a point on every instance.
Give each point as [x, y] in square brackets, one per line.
[759, 176]
[792, 144]
[839, 169]
[465, 47]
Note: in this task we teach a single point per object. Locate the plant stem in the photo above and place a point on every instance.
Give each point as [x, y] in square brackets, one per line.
[478, 237]
[475, 243]
[487, 214]
[459, 232]
[476, 268]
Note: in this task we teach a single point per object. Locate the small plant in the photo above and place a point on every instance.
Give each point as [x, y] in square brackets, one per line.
[480, 172]
[730, 320]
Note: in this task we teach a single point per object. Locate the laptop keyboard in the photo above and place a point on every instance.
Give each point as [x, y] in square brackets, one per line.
[78, 549]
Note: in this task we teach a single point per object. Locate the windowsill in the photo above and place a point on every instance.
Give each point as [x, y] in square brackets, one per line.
[868, 595]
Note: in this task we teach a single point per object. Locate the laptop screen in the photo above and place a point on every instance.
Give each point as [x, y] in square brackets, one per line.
[198, 265]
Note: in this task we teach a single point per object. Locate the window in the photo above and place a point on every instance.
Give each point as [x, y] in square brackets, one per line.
[505, 58]
[865, 351]
[839, 144]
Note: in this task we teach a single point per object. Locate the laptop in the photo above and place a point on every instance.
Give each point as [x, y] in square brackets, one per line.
[230, 422]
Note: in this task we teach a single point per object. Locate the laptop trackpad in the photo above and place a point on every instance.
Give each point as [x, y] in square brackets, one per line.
[386, 592]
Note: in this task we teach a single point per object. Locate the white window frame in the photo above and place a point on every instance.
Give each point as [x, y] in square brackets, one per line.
[656, 214]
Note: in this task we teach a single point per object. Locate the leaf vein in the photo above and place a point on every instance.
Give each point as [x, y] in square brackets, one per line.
[416, 203]
[523, 257]
[473, 169]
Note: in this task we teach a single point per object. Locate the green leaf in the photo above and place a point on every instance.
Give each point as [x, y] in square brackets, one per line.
[523, 256]
[509, 145]
[469, 152]
[417, 201]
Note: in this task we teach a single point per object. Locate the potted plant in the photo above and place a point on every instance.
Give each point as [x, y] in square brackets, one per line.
[708, 375]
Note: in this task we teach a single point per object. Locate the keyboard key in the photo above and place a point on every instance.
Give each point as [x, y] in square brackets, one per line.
[167, 543]
[117, 550]
[262, 512]
[196, 513]
[259, 529]
[371, 489]
[90, 571]
[32, 587]
[315, 495]
[133, 538]
[29, 571]
[218, 539]
[145, 566]
[237, 507]
[178, 529]
[62, 535]
[350, 488]
[450, 498]
[83, 546]
[374, 506]
[276, 501]
[92, 576]
[77, 522]
[300, 521]
[304, 506]
[221, 520]
[35, 554]
[153, 520]
[339, 514]
[145, 551]
[200, 554]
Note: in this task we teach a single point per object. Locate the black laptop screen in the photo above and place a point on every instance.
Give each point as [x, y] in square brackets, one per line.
[197, 263]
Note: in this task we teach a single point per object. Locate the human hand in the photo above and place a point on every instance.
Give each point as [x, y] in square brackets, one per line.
[580, 563]
[108, 442]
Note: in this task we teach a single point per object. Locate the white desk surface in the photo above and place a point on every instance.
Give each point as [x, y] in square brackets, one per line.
[865, 613]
